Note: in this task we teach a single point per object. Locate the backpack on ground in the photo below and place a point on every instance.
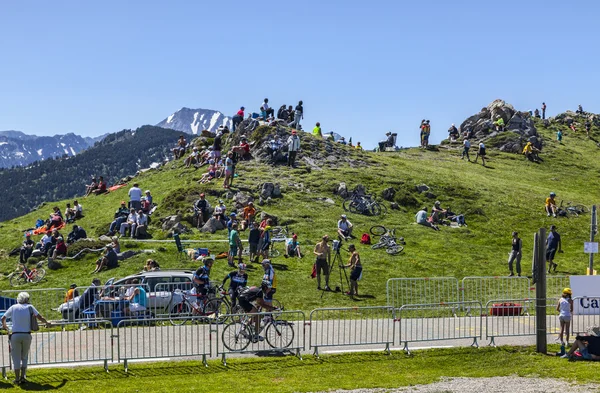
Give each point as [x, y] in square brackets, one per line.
[365, 238]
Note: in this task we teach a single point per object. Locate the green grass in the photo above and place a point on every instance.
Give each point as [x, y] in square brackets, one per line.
[289, 374]
[506, 195]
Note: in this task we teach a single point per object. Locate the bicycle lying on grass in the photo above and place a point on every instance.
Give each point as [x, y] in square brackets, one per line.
[387, 239]
[25, 275]
[364, 204]
[571, 209]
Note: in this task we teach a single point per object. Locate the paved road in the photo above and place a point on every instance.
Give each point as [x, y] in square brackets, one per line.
[331, 336]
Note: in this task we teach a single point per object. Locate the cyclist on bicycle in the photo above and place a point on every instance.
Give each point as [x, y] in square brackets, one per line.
[270, 278]
[238, 280]
[252, 297]
[201, 280]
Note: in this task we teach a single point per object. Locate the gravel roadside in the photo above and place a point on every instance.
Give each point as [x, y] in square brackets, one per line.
[489, 385]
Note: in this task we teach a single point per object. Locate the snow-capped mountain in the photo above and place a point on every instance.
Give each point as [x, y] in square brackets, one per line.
[19, 149]
[194, 121]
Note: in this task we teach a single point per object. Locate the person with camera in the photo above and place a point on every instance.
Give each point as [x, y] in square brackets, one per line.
[323, 254]
[355, 270]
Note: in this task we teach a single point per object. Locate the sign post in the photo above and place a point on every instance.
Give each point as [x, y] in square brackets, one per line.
[592, 233]
[539, 255]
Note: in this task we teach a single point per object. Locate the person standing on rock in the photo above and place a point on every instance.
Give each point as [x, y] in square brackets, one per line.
[317, 131]
[543, 111]
[238, 118]
[298, 115]
[588, 127]
[515, 254]
[293, 143]
[425, 132]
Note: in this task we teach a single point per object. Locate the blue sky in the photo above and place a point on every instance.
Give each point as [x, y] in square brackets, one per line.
[361, 68]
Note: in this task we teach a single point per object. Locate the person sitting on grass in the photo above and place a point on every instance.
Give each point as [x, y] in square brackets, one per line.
[151, 266]
[76, 234]
[108, 261]
[179, 150]
[550, 205]
[192, 158]
[292, 248]
[120, 217]
[248, 215]
[344, 228]
[45, 243]
[243, 150]
[115, 244]
[55, 220]
[91, 187]
[78, 209]
[60, 249]
[588, 346]
[141, 229]
[422, 219]
[69, 214]
[210, 174]
[437, 213]
[130, 223]
[26, 249]
[101, 189]
[531, 152]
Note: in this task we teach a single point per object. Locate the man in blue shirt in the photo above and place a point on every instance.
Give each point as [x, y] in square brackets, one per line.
[553, 244]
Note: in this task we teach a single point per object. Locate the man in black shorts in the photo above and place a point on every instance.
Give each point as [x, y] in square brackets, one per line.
[553, 244]
[252, 295]
[323, 254]
[201, 279]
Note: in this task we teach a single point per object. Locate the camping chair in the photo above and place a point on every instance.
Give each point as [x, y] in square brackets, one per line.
[180, 249]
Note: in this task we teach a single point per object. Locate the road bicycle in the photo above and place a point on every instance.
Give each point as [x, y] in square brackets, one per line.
[387, 240]
[238, 335]
[183, 307]
[26, 275]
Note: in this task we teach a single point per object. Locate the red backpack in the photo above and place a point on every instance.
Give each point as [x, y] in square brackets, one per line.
[365, 238]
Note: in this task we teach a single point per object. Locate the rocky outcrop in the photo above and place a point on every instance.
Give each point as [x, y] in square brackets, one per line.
[518, 127]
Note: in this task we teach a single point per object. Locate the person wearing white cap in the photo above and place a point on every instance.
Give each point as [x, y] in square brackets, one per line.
[344, 228]
[453, 133]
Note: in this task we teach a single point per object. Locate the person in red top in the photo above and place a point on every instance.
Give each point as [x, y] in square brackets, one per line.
[243, 150]
[101, 187]
[238, 118]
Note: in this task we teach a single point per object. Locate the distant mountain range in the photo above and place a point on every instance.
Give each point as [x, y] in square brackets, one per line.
[19, 149]
[194, 121]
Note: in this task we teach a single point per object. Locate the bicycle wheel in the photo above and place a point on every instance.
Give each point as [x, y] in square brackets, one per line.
[274, 253]
[582, 208]
[375, 209]
[355, 208]
[38, 274]
[378, 245]
[217, 310]
[377, 230]
[180, 313]
[394, 250]
[236, 336]
[280, 334]
[383, 208]
[346, 204]
[17, 279]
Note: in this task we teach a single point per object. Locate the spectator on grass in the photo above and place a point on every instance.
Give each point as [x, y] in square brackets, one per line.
[235, 244]
[543, 110]
[192, 158]
[465, 152]
[274, 148]
[216, 147]
[358, 146]
[292, 248]
[78, 209]
[322, 252]
[579, 110]
[452, 133]
[243, 149]
[265, 239]
[45, 242]
[76, 234]
[130, 223]
[248, 215]
[149, 197]
[60, 249]
[72, 293]
[26, 248]
[293, 144]
[565, 311]
[356, 270]
[317, 131]
[201, 209]
[421, 218]
[266, 110]
[101, 189]
[437, 213]
[253, 240]
[56, 218]
[231, 220]
[69, 213]
[588, 346]
[179, 149]
[120, 217]
[146, 206]
[481, 153]
[531, 152]
[91, 187]
[135, 197]
[553, 245]
[298, 115]
[550, 205]
[228, 170]
[115, 244]
[151, 266]
[108, 261]
[141, 229]
[515, 254]
[344, 227]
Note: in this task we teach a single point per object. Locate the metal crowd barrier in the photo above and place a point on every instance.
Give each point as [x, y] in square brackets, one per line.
[151, 339]
[484, 289]
[279, 332]
[401, 291]
[343, 327]
[65, 345]
[43, 299]
[582, 322]
[555, 285]
[440, 321]
[164, 298]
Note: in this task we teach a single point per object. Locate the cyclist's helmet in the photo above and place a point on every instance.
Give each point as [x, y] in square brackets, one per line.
[552, 194]
[208, 260]
[242, 266]
[265, 284]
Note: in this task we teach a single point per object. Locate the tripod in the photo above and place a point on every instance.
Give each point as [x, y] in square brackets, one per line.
[337, 261]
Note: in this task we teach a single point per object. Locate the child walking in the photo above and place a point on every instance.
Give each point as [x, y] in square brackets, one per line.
[565, 309]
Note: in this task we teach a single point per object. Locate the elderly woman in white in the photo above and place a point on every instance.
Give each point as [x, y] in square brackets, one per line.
[20, 335]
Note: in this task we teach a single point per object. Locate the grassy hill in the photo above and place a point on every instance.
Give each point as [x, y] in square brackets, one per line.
[505, 196]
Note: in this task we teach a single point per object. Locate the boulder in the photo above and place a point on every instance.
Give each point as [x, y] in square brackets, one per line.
[430, 195]
[178, 228]
[241, 200]
[207, 134]
[267, 190]
[126, 255]
[273, 218]
[342, 190]
[169, 222]
[212, 225]
[105, 238]
[422, 188]
[276, 191]
[388, 194]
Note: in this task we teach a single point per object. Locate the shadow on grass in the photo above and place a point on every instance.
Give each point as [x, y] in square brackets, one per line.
[34, 386]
